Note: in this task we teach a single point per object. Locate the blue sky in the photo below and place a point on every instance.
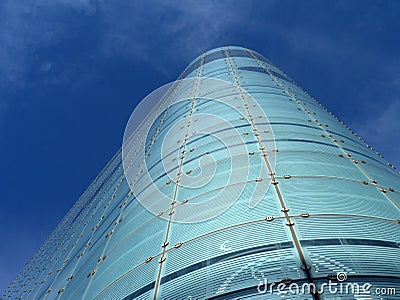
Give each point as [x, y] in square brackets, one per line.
[72, 71]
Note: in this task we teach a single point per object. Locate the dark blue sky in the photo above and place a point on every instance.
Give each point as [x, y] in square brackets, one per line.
[72, 71]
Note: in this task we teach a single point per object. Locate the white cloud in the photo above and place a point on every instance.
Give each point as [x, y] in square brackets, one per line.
[137, 30]
[26, 28]
[132, 30]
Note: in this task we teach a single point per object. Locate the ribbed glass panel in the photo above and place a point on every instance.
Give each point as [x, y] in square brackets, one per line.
[209, 244]
[339, 197]
[347, 227]
[131, 283]
[366, 260]
[238, 273]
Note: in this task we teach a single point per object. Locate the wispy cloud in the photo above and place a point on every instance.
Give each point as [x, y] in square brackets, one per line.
[137, 30]
[132, 30]
[28, 27]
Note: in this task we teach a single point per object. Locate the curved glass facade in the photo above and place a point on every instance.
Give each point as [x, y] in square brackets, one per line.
[333, 205]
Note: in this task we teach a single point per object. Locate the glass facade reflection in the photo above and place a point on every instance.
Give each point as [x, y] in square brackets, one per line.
[332, 206]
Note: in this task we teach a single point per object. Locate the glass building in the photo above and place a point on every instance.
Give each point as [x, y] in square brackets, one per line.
[292, 196]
